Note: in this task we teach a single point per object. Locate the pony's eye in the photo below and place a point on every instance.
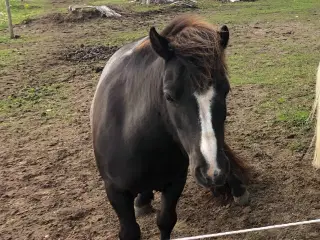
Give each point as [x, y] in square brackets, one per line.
[169, 97]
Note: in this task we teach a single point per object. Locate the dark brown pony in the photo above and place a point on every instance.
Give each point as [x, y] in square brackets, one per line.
[160, 107]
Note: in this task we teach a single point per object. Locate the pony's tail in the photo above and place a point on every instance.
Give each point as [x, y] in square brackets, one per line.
[316, 110]
[238, 166]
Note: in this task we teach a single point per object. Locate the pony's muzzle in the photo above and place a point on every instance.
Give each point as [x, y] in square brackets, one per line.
[201, 177]
[215, 176]
[218, 178]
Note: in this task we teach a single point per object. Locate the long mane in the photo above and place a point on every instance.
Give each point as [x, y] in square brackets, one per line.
[198, 43]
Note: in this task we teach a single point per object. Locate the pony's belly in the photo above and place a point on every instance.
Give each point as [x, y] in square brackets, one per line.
[154, 174]
[160, 179]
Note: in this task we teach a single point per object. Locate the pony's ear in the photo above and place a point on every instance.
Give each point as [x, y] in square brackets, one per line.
[160, 44]
[224, 36]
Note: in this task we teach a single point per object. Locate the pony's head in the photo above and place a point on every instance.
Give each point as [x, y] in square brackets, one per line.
[195, 87]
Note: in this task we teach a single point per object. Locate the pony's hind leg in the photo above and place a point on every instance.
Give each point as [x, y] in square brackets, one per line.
[142, 204]
[238, 190]
[122, 203]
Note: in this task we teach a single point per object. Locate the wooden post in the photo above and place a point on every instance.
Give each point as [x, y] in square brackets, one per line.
[9, 19]
[316, 158]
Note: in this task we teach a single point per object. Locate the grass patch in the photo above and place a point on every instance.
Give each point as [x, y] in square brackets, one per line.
[286, 66]
[9, 57]
[44, 101]
[266, 10]
[116, 38]
[294, 117]
[119, 38]
[21, 11]
[297, 146]
[6, 39]
[287, 107]
[27, 98]
[246, 67]
[137, 7]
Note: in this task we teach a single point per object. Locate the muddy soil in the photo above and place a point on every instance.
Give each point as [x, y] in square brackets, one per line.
[49, 184]
[87, 53]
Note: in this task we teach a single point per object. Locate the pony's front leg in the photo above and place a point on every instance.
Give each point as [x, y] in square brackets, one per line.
[122, 203]
[167, 217]
[238, 190]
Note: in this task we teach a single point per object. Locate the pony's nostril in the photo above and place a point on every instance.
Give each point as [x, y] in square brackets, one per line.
[209, 181]
[202, 178]
[216, 174]
[218, 178]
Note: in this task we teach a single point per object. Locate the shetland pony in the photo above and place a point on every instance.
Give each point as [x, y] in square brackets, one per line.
[160, 107]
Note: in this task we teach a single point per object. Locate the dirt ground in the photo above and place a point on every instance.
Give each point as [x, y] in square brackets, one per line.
[49, 184]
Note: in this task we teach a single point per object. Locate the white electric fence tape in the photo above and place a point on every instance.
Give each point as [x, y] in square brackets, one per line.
[250, 230]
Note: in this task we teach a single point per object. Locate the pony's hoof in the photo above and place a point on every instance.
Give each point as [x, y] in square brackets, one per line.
[242, 200]
[144, 210]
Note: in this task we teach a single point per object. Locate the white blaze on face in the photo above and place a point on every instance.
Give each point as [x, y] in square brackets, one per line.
[208, 142]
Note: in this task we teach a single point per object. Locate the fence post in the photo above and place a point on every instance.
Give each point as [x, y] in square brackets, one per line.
[316, 158]
[9, 19]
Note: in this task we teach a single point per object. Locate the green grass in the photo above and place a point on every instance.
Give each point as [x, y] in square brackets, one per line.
[261, 10]
[28, 96]
[43, 101]
[239, 12]
[246, 67]
[293, 116]
[120, 38]
[133, 6]
[21, 11]
[284, 66]
[29, 9]
[9, 57]
[287, 70]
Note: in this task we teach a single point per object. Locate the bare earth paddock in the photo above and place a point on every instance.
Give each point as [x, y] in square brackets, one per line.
[49, 184]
